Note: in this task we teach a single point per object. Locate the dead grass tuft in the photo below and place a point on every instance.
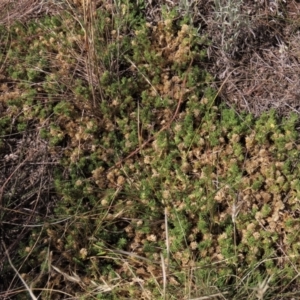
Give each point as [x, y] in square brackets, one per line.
[25, 10]
[262, 62]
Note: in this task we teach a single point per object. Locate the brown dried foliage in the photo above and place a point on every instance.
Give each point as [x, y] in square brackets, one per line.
[24, 10]
[262, 68]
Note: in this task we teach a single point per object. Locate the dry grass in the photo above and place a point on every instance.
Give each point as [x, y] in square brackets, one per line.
[262, 60]
[260, 71]
[23, 10]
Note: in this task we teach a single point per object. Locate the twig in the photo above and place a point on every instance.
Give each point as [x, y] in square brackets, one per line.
[16, 271]
[210, 296]
[9, 178]
[164, 276]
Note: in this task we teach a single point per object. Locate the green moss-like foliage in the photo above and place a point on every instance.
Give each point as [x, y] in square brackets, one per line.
[143, 150]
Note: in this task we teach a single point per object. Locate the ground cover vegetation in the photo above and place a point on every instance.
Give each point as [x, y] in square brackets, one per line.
[128, 170]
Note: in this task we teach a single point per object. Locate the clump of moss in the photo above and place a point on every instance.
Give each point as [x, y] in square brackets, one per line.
[150, 170]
